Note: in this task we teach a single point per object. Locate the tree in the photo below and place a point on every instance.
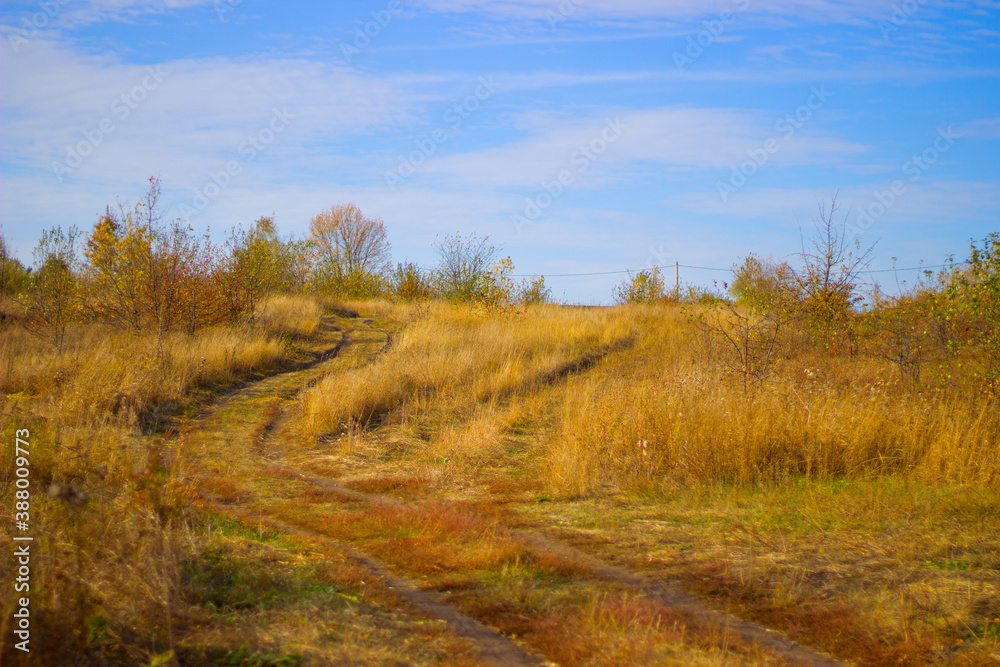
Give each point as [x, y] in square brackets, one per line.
[411, 283]
[900, 328]
[976, 290]
[50, 302]
[254, 266]
[827, 285]
[496, 289]
[143, 273]
[646, 286]
[463, 266]
[534, 291]
[750, 326]
[13, 276]
[114, 290]
[351, 250]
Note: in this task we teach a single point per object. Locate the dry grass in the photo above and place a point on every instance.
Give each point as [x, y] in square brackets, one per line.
[296, 315]
[836, 501]
[673, 417]
[853, 510]
[458, 356]
[124, 376]
[86, 407]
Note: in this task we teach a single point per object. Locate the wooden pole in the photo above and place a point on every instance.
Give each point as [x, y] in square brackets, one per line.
[677, 280]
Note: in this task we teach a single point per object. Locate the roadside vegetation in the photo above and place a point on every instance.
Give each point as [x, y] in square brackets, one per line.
[797, 446]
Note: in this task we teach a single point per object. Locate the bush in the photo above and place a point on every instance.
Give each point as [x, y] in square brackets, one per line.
[534, 292]
[645, 287]
[410, 283]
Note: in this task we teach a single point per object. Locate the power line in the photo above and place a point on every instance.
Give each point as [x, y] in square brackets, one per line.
[911, 268]
[700, 268]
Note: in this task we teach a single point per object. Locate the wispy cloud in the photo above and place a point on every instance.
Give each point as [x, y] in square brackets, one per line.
[984, 128]
[677, 139]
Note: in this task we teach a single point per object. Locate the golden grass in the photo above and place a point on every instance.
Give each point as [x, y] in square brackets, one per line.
[852, 562]
[673, 417]
[102, 374]
[299, 316]
[461, 356]
[835, 496]
[86, 407]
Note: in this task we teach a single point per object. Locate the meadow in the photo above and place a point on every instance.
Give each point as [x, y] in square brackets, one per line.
[254, 473]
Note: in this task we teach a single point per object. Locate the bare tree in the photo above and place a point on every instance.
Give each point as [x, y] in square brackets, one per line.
[52, 298]
[348, 245]
[832, 265]
[463, 265]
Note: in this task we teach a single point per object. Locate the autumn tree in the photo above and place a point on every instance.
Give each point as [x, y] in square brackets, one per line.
[534, 291]
[975, 291]
[496, 289]
[351, 250]
[464, 266]
[749, 326]
[410, 282]
[254, 266]
[13, 276]
[52, 298]
[827, 285]
[646, 286]
[143, 273]
[899, 328]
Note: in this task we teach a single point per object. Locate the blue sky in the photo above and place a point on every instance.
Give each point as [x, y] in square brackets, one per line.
[583, 136]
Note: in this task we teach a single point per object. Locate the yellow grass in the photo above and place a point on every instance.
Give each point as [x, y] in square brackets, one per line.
[461, 356]
[677, 418]
[630, 399]
[85, 408]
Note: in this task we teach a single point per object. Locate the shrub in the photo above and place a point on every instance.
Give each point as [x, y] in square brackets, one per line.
[644, 287]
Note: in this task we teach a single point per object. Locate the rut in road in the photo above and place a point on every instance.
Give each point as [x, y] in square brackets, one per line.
[489, 644]
[666, 593]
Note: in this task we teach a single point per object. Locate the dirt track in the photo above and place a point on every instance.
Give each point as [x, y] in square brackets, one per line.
[267, 411]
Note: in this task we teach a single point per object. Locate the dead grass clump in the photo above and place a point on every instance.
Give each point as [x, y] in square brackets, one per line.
[297, 316]
[458, 356]
[624, 629]
[681, 420]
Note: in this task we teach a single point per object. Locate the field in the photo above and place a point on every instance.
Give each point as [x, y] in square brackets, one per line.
[432, 483]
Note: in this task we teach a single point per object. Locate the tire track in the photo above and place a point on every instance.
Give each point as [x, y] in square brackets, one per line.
[491, 646]
[670, 595]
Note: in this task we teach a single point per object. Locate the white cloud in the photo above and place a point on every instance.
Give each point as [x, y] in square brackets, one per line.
[985, 128]
[666, 138]
[182, 117]
[838, 11]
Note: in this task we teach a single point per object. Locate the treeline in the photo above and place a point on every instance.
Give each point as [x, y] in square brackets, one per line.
[940, 331]
[134, 270]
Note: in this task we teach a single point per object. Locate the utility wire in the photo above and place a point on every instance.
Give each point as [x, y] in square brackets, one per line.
[700, 268]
